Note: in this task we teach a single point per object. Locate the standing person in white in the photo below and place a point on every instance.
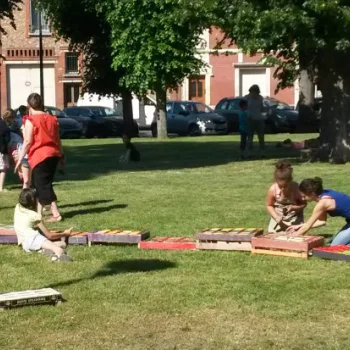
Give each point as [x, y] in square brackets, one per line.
[256, 118]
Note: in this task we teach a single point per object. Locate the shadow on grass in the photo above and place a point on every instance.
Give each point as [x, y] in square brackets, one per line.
[73, 205]
[155, 155]
[122, 266]
[99, 210]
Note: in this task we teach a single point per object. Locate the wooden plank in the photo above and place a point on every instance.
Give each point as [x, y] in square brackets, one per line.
[8, 239]
[338, 253]
[169, 243]
[285, 242]
[118, 236]
[29, 298]
[229, 234]
[219, 245]
[303, 255]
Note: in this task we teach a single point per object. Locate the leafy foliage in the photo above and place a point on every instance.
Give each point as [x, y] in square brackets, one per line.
[7, 7]
[155, 41]
[86, 29]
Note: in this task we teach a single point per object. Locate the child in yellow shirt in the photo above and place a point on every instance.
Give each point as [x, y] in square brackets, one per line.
[27, 222]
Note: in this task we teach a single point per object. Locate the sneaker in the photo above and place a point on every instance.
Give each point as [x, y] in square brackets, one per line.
[62, 258]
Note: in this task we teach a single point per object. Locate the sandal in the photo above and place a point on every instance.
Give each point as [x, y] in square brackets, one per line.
[62, 258]
[55, 219]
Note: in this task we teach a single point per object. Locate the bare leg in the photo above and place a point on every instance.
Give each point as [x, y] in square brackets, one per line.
[26, 172]
[53, 247]
[40, 209]
[2, 180]
[60, 244]
[54, 210]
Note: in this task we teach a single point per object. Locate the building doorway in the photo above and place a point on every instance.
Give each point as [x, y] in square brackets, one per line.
[71, 94]
[197, 88]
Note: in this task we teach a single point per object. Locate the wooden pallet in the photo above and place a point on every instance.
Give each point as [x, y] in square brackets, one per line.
[29, 298]
[74, 238]
[227, 238]
[286, 245]
[117, 236]
[338, 252]
[169, 243]
[8, 235]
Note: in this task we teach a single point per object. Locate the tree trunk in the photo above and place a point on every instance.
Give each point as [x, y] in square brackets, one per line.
[307, 89]
[127, 114]
[306, 98]
[142, 115]
[162, 130]
[335, 117]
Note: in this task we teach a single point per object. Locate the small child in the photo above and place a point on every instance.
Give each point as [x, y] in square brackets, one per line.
[284, 201]
[307, 144]
[27, 222]
[243, 126]
[14, 148]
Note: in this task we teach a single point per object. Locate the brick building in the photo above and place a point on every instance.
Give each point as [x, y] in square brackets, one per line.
[20, 73]
[230, 73]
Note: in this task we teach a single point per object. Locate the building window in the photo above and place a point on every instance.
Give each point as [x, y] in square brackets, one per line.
[35, 15]
[72, 65]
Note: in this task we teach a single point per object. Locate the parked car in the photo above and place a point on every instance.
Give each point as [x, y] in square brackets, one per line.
[99, 121]
[69, 128]
[279, 116]
[192, 118]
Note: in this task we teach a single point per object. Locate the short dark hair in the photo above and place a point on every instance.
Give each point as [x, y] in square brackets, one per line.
[311, 186]
[28, 199]
[23, 109]
[243, 103]
[35, 101]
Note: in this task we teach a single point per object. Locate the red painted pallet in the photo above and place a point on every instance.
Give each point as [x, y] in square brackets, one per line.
[8, 235]
[169, 243]
[286, 245]
[76, 238]
[338, 252]
[227, 238]
[118, 236]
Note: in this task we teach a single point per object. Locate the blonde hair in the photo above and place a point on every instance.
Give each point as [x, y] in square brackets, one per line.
[8, 115]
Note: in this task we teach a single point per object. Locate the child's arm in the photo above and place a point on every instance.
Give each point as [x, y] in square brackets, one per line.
[270, 200]
[52, 236]
[300, 202]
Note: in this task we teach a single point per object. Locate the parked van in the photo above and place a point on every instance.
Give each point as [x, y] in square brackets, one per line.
[143, 111]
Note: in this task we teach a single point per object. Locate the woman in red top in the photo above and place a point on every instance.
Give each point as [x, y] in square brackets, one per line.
[44, 148]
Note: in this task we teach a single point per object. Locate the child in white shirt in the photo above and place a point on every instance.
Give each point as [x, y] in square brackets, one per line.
[27, 222]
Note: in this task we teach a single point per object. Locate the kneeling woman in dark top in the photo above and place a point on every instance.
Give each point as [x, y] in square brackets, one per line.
[329, 202]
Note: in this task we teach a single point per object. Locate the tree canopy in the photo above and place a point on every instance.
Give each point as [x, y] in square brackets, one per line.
[299, 34]
[155, 42]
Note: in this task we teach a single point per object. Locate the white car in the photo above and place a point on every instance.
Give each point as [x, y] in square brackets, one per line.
[143, 112]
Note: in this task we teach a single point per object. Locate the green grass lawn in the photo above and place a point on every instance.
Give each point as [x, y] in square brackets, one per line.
[118, 297]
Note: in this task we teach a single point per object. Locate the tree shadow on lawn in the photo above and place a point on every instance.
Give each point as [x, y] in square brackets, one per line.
[98, 210]
[89, 161]
[121, 266]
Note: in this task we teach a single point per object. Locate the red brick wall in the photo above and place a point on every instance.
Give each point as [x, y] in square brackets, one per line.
[20, 38]
[222, 82]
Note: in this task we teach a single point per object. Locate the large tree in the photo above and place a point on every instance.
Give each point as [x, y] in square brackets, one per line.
[155, 42]
[311, 36]
[87, 30]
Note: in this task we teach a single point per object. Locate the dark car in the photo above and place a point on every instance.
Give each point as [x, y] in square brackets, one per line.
[279, 117]
[192, 118]
[99, 121]
[69, 128]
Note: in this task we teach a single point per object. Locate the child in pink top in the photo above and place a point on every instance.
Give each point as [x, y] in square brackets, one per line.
[284, 201]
